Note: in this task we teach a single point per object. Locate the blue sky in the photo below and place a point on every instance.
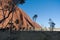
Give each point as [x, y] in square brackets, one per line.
[45, 9]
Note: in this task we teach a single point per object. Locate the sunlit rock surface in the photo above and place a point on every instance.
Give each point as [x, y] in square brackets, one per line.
[15, 19]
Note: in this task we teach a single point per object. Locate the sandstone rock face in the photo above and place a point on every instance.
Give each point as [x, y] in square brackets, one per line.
[14, 18]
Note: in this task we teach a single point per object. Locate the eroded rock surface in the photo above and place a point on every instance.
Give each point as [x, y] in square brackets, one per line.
[14, 18]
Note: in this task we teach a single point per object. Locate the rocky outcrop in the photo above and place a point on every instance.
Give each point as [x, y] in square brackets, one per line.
[14, 18]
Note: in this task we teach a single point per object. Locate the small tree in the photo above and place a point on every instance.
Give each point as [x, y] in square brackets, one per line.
[52, 24]
[35, 17]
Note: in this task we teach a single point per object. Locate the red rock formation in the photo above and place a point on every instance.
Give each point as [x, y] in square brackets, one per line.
[17, 19]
